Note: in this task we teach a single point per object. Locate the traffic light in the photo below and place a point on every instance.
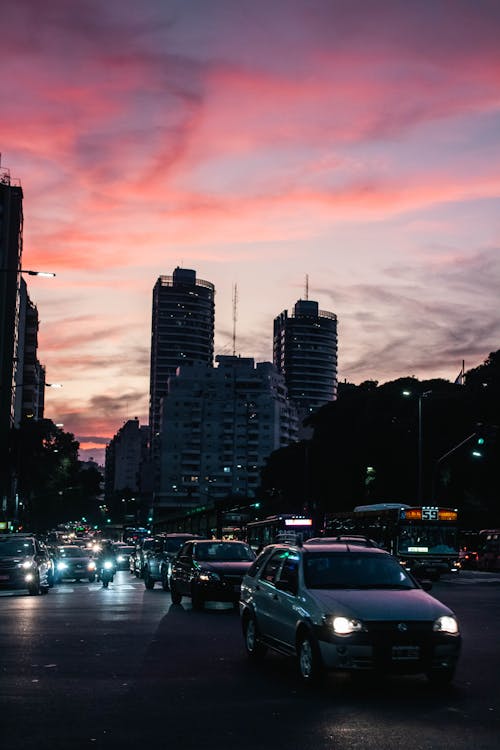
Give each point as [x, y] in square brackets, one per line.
[486, 435]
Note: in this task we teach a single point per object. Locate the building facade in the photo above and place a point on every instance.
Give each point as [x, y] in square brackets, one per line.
[305, 352]
[11, 243]
[182, 332]
[219, 425]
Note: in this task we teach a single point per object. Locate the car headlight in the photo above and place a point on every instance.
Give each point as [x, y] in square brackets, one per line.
[120, 558]
[446, 624]
[346, 626]
[208, 575]
[91, 566]
[27, 564]
[62, 566]
[108, 565]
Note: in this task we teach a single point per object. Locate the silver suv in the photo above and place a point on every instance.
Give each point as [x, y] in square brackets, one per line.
[346, 607]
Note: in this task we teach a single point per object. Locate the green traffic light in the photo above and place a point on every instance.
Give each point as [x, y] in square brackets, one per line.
[480, 441]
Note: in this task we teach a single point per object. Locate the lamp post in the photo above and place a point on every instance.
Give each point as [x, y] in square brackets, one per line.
[420, 453]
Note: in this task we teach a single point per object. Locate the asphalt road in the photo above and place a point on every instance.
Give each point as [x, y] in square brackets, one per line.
[86, 667]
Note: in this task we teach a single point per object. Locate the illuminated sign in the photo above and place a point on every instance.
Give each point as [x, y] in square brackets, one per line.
[418, 549]
[429, 513]
[298, 521]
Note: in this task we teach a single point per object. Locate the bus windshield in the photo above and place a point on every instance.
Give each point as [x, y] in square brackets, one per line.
[426, 538]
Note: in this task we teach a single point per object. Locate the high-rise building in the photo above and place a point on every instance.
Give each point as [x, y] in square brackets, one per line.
[182, 332]
[11, 231]
[305, 352]
[220, 425]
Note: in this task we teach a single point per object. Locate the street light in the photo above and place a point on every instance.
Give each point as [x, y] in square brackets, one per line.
[420, 444]
[44, 274]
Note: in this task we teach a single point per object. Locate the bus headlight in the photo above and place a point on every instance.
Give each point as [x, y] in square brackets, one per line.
[446, 624]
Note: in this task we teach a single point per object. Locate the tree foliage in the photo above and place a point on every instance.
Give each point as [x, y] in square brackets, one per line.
[365, 448]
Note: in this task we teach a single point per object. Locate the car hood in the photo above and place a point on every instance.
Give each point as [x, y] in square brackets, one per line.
[380, 604]
[230, 568]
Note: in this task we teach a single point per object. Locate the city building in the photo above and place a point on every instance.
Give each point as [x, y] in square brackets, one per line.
[11, 243]
[182, 332]
[218, 427]
[126, 488]
[29, 393]
[305, 352]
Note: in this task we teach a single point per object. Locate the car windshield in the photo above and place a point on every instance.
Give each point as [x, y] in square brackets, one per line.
[14, 547]
[224, 551]
[71, 552]
[330, 570]
[172, 545]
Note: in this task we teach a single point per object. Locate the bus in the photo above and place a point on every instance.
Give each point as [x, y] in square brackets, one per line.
[488, 549]
[284, 527]
[424, 538]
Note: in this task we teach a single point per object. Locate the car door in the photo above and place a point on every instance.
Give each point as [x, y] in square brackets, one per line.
[265, 595]
[286, 607]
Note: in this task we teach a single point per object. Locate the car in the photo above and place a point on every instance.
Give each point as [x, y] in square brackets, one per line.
[139, 556]
[158, 559]
[209, 570]
[123, 552]
[24, 564]
[74, 563]
[345, 607]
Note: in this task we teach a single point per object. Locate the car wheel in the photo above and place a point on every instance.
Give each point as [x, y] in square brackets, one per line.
[44, 589]
[91, 579]
[196, 599]
[311, 669]
[254, 647]
[148, 581]
[164, 582]
[34, 589]
[174, 594]
[441, 677]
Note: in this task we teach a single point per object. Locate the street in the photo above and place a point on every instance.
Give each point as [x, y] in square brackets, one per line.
[123, 667]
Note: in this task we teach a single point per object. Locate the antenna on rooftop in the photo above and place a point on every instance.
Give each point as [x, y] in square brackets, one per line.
[235, 316]
[307, 286]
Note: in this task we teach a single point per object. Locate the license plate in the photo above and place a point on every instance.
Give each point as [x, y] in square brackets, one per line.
[405, 653]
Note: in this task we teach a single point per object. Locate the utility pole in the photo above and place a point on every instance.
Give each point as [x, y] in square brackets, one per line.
[235, 316]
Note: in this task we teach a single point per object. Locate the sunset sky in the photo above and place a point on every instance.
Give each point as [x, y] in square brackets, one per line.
[356, 142]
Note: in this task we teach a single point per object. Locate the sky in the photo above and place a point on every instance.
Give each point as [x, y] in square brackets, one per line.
[350, 148]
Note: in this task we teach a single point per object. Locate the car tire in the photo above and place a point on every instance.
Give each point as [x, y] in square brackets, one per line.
[441, 677]
[164, 582]
[309, 663]
[197, 600]
[148, 581]
[255, 649]
[34, 589]
[174, 594]
[44, 590]
[91, 579]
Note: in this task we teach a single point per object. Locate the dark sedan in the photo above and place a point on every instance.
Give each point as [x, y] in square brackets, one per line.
[209, 571]
[24, 564]
[74, 563]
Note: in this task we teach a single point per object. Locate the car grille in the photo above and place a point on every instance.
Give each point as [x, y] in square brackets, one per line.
[233, 580]
[397, 645]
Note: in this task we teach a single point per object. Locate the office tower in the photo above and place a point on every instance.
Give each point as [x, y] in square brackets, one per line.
[305, 351]
[11, 229]
[220, 425]
[182, 332]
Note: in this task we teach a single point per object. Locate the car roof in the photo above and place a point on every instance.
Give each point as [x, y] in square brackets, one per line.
[335, 546]
[352, 539]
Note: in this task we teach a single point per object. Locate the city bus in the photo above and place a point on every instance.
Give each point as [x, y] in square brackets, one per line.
[424, 538]
[284, 527]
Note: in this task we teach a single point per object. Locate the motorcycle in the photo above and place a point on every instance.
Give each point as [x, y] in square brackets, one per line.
[107, 573]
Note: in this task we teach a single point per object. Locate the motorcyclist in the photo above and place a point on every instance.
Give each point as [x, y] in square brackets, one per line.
[106, 553]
